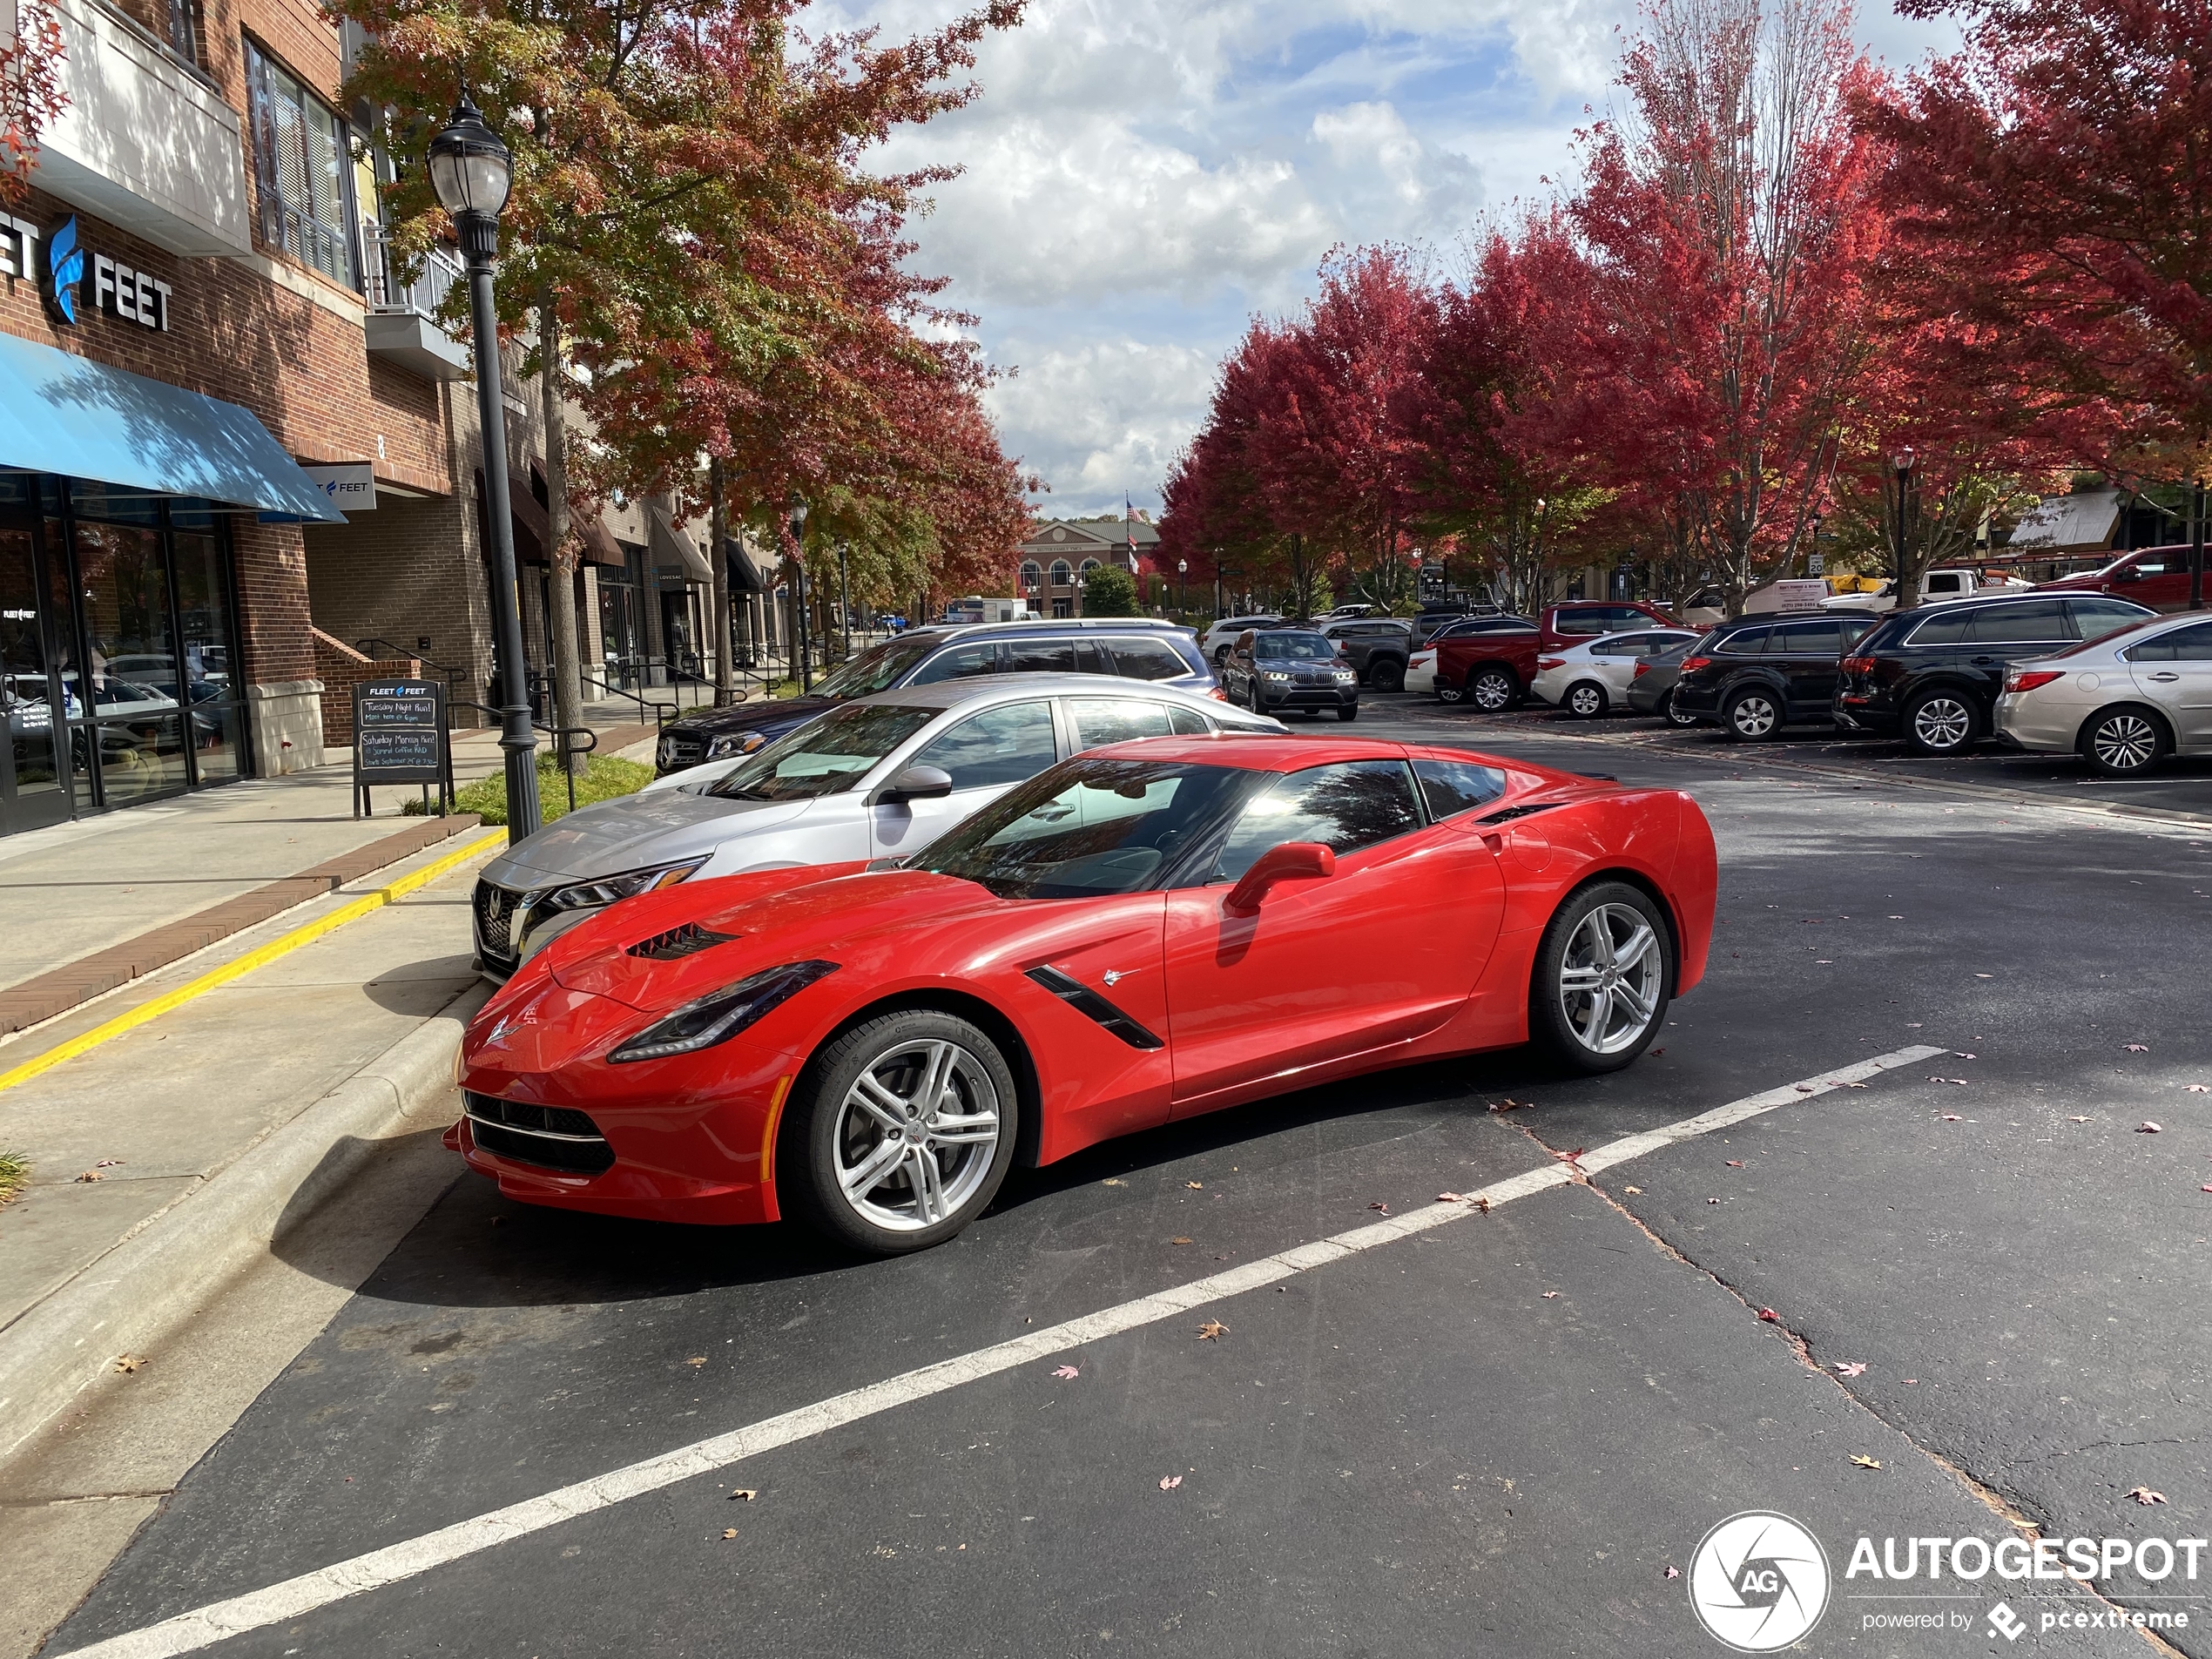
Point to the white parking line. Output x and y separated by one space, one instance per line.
220 1621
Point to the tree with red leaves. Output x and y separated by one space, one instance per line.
30 95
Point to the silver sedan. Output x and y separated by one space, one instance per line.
879 776
2123 702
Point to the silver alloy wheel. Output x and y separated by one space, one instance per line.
916 1134
1942 723
1611 978
1449 694
1678 716
1586 700
2124 742
1753 715
1491 691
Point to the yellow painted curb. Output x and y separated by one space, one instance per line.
260 956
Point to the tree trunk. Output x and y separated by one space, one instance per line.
568 675
717 560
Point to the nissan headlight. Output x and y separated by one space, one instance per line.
720 1016
604 891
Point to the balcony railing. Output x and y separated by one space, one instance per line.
421 297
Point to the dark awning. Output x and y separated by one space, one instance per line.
672 550
70 415
745 575
599 544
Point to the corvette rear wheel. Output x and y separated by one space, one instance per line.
1601 980
899 1133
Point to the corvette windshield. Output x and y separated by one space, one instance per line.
1091 826
877 669
831 751
1300 648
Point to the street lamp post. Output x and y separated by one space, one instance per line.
471 170
1183 588
1907 591
2196 544
844 602
799 593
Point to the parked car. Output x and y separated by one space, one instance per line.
1491 669
2123 701
1946 584
1336 613
2157 576
1496 621
1933 676
1216 640
1707 607
1156 930
1272 670
1651 688
1134 647
873 778
1377 647
1575 620
1588 680
1429 623
1753 677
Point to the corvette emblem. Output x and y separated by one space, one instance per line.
1113 976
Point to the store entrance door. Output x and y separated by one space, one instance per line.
34 789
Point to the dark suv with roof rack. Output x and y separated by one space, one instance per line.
1133 647
1932 675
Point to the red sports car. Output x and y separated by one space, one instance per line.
1139 934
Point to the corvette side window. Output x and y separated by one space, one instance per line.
1346 807
1454 787
1002 745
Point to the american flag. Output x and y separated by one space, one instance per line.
1129 521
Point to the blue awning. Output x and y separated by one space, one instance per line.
69 414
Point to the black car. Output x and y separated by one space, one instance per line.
1132 647
1932 675
1276 671
1377 648
1757 674
1652 691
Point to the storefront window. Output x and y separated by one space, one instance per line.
299 150
38 795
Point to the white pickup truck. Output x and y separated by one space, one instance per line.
1942 583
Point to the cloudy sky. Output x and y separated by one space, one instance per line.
1142 176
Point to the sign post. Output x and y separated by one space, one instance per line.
400 737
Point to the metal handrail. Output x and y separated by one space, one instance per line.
659 714
565 750
386 293
451 673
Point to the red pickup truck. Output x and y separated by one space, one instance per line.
1493 669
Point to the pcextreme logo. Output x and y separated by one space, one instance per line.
1759 1581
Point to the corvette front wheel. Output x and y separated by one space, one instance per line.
1603 977
899 1133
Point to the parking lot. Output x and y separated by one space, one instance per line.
1932 1278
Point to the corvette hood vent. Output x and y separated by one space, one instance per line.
679 942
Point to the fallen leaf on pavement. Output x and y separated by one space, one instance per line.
1854 1085
1804 1088
1712 1201
1912 1382
1632 1188
1379 1204
1449 1197
1113 1181
2138 1048
1735 1163
1066 1373
2077 1120
1769 1316
2146 1496
1170 1482
1178 1241
1985 976
1867 1462
729 1531
1674 1572
1963 1054
1212 1331
2147 1128
743 1494
1951 1117
1483 1204
107 1163
1961 1082
1652 1054
1551 1296
1507 1105
1196 1186
128 1362
1853 1367
1568 1157
2195 1088
696 1360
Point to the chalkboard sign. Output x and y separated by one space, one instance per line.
400 737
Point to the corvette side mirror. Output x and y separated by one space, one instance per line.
1291 861
915 783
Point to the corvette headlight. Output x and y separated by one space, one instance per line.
593 895
1274 674
720 1016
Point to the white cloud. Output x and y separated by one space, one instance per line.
1103 417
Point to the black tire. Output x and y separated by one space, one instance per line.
1561 1018
1492 690
1673 716
819 1136
1751 715
1941 722
1387 674
2125 742
1585 700
1350 711
1251 695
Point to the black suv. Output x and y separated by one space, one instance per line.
1377 648
1133 647
1757 674
1932 675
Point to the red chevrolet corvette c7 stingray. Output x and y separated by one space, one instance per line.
1141 933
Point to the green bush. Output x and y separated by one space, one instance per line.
1109 591
604 778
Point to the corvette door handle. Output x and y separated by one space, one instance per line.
2165 677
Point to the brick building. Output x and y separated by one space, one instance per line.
1063 551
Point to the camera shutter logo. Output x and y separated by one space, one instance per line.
1759 1581
66 261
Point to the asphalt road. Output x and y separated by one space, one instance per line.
1502 1435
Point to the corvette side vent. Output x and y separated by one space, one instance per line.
1088 1003
1509 814
678 942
